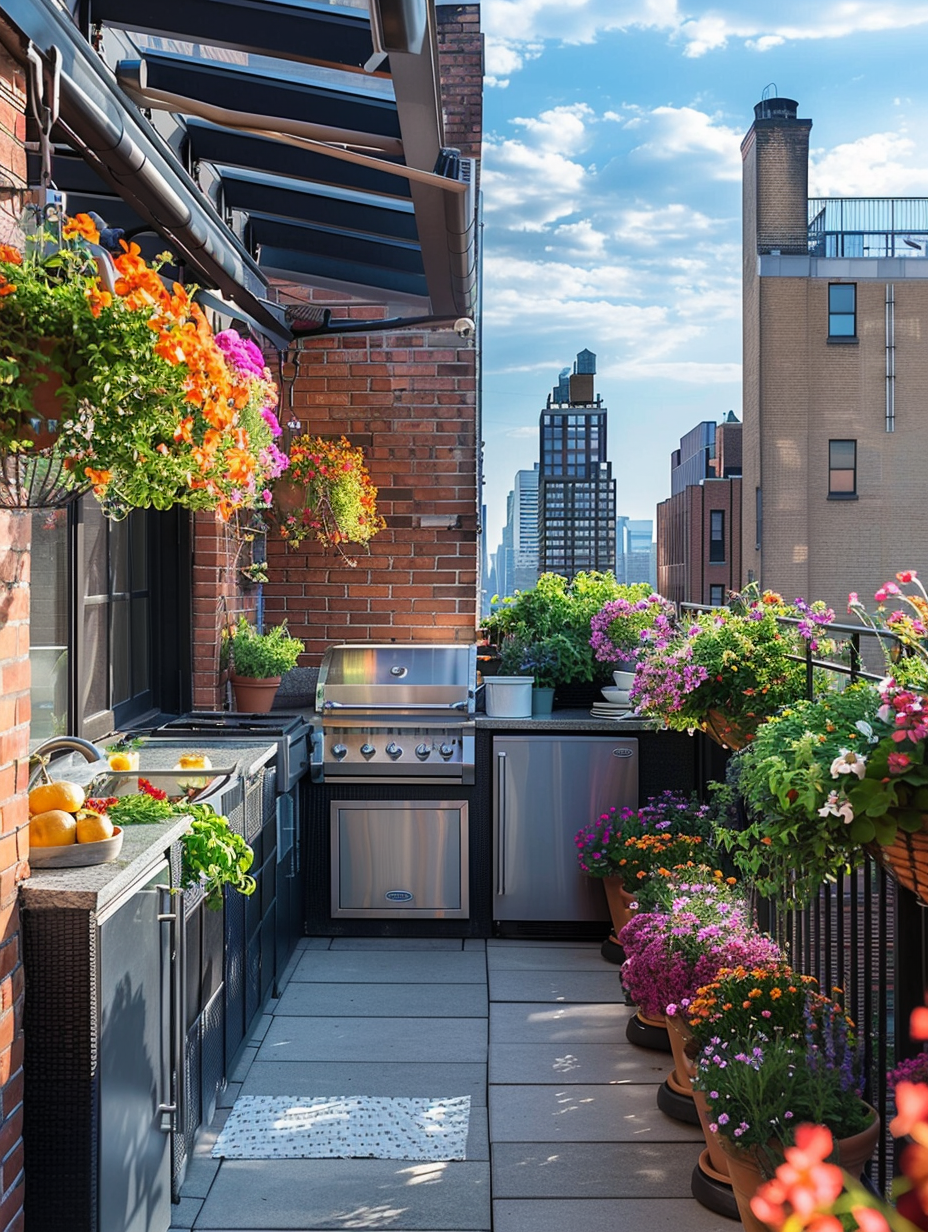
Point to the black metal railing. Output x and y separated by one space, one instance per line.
864 934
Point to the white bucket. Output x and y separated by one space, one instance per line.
509 697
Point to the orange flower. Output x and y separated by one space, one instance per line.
6 288
99 479
98 299
11 255
912 1108
81 225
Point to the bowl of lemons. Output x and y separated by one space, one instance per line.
63 833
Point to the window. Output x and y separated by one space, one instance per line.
842 470
716 537
842 310
717 596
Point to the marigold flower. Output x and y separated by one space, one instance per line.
11 255
81 226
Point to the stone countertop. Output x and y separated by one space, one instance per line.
559 720
95 886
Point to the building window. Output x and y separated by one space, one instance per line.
717 596
842 310
842 470
716 537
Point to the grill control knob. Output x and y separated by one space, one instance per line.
394 750
423 750
446 750
339 751
367 750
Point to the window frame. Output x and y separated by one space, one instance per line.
835 493
713 588
717 542
834 315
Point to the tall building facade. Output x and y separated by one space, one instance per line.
699 525
634 555
835 375
576 490
525 529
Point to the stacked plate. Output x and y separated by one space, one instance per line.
614 707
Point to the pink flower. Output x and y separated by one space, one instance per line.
906 576
898 762
912 1105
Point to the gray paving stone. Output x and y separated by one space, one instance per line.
259 1030
229 1095
602 1215
566 986
504 943
593 1170
547 958
582 1114
572 1063
475 943
540 1023
393 967
375 1039
314 943
201 1172
397 943
384 1000
241 1066
404 1079
348 1193
184 1213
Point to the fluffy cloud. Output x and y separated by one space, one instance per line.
699 31
878 165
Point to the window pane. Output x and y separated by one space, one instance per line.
842 298
716 523
842 454
95 562
119 651
94 670
48 624
138 550
841 481
119 556
141 639
841 326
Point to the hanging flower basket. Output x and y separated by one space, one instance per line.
37 481
906 859
730 734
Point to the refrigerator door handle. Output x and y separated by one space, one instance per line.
172 1108
501 826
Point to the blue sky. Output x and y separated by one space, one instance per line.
612 197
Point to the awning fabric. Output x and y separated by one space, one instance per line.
271 154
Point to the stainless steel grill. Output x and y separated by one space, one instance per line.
399 713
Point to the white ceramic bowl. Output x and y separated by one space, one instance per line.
619 697
623 680
77 855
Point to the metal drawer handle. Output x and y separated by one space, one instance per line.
501 829
394 706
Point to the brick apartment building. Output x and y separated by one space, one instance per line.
699 525
109 653
835 375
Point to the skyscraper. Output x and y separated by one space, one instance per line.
576 491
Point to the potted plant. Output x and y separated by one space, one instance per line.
550 661
555 606
258 662
115 382
619 625
730 669
327 493
774 1053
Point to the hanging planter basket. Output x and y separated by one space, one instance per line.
37 480
906 859
725 731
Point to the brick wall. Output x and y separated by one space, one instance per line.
219 597
409 400
15 534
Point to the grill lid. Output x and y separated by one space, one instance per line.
403 677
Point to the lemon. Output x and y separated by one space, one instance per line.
53 828
193 761
64 795
123 761
93 827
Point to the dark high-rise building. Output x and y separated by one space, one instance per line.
576 491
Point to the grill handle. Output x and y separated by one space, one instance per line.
501 824
398 709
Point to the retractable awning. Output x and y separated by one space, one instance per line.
278 157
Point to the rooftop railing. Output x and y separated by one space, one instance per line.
868 227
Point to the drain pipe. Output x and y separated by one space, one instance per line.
890 357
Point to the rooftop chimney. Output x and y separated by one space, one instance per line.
776 179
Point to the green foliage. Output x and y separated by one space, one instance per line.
260 655
556 607
552 660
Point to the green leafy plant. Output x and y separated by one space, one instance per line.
338 501
214 856
261 655
551 661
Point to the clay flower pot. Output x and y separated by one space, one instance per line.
620 902
253 695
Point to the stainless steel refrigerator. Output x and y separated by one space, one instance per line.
545 788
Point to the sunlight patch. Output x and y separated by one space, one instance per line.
344 1127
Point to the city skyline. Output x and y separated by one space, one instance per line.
612 200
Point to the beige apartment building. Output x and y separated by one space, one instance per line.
835 436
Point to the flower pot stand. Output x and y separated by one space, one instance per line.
712 1190
647 1033
675 1094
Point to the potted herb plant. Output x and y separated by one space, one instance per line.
550 661
114 381
258 662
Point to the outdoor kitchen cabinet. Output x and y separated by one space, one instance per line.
103 961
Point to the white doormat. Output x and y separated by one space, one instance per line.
344 1127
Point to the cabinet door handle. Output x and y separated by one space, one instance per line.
173 1109
501 823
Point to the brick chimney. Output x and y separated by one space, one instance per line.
775 153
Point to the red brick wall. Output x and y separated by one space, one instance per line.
15 536
410 400
218 599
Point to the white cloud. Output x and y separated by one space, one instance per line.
675 131
648 228
878 165
687 371
579 239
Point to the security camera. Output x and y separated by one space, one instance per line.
465 327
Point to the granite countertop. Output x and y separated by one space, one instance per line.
560 720
95 886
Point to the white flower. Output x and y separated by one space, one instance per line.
849 762
838 808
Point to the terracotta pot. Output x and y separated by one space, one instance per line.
679 1035
254 696
730 735
747 1174
716 1162
289 496
906 859
620 902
